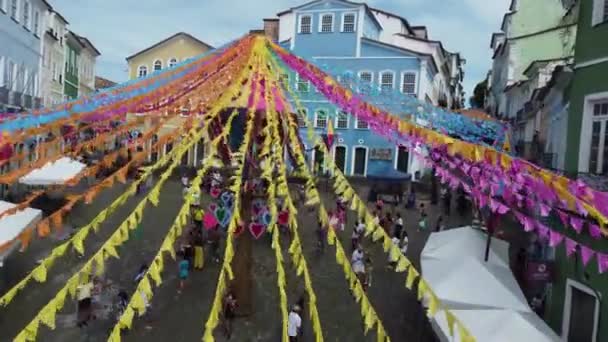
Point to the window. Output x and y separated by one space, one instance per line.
386 81
598 158
366 78
26 15
36 23
158 65
321 118
302 86
305 24
327 23
348 22
172 62
14 8
2 67
142 71
10 75
341 120
3 6
600 12
302 116
360 124
284 80
408 85
54 71
347 79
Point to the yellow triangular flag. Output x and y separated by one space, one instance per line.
39 273
412 274
47 315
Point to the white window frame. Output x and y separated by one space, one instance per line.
570 283
300 23
316 125
357 124
409 157
599 12
154 65
352 160
354 14
333 20
336 126
382 73
586 129
36 23
140 68
297 88
2 68
403 73
371 82
14 15
27 14
172 62
305 110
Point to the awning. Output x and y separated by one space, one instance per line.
13 225
57 172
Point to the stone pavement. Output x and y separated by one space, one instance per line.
181 317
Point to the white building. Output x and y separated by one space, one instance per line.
53 60
86 71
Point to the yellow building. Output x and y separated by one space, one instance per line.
165 53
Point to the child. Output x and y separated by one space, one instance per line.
184 268
229 312
357 231
398 226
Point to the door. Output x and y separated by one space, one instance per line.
581 313
318 161
200 151
186 157
154 154
360 161
168 148
403 157
340 157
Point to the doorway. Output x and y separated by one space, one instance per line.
340 157
581 312
403 157
318 161
360 161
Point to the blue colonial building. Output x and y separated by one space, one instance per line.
372 51
21 28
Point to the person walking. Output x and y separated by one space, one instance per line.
229 312
184 270
294 324
357 232
423 218
199 255
357 261
85 307
398 228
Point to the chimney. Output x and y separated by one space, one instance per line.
271 28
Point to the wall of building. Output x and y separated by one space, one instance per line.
71 82
535 15
317 43
180 48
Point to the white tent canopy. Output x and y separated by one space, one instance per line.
465 242
57 172
12 225
498 326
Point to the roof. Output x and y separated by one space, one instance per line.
168 39
102 83
403 20
60 16
544 62
270 19
75 38
401 49
87 43
504 20
367 9
443 50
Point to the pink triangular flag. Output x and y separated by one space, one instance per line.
594 231
581 209
602 262
528 224
544 209
586 254
570 246
555 238
564 217
577 224
543 231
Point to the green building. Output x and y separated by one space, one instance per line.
72 52
577 307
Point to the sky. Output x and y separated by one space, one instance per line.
119 28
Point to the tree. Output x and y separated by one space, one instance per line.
479 95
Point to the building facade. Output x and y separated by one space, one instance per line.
165 54
577 308
375 49
73 47
86 68
532 30
53 58
21 31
